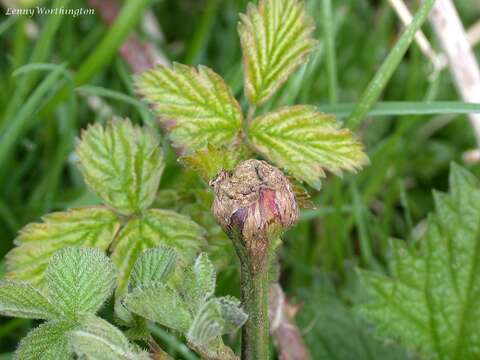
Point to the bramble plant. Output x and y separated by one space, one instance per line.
254 202
187 210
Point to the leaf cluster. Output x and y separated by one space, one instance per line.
77 283
198 315
122 163
161 289
205 121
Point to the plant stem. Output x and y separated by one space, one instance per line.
254 293
390 64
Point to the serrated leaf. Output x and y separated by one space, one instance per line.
305 143
276 37
23 300
46 342
37 242
195 106
122 163
79 280
199 282
302 197
154 228
97 339
160 303
233 315
209 161
153 265
432 301
207 325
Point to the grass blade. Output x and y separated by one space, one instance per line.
390 64
398 108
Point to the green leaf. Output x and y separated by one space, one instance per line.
432 301
207 325
160 303
276 37
209 161
154 265
37 242
79 280
122 163
46 342
195 106
23 300
97 339
305 143
232 314
207 328
199 282
154 228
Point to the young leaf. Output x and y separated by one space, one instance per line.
97 339
199 282
122 163
304 142
160 303
154 228
37 242
232 313
79 280
207 325
208 162
22 300
195 106
46 342
432 301
276 37
154 265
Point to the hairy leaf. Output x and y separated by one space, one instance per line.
232 314
122 163
154 228
207 325
160 303
194 105
153 265
276 37
432 301
22 300
97 339
79 280
37 242
305 143
199 282
208 162
46 342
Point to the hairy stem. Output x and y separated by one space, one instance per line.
254 293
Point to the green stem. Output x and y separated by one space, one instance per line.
390 64
254 293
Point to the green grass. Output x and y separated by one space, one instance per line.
363 71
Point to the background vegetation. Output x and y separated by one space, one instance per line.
60 73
